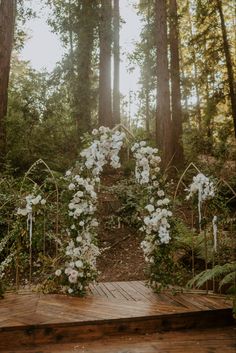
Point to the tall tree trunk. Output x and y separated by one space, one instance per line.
82 99
147 76
195 69
175 85
116 79
185 113
232 90
163 119
105 36
7 21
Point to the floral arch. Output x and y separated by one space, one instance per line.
79 268
75 266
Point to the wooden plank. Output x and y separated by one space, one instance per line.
183 301
125 286
106 291
127 307
122 291
114 290
196 341
74 332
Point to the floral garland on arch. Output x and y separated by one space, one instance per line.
155 222
81 252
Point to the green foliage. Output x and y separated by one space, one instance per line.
131 199
39 121
165 271
225 273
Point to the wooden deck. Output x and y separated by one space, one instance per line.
215 340
115 308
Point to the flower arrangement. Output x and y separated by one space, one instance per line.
81 251
156 218
31 201
204 188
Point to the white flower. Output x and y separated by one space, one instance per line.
79 264
22 211
150 208
160 193
68 173
165 201
43 202
71 186
36 200
58 273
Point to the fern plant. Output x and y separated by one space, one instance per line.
225 273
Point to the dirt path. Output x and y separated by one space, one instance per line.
121 258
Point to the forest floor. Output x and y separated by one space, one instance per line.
121 256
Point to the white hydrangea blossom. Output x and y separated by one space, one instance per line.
204 188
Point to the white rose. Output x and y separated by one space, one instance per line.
71 186
58 273
150 208
79 264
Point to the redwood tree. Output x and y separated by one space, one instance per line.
84 50
7 21
116 80
105 40
176 110
163 118
229 65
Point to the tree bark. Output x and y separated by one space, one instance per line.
7 22
232 90
82 95
116 79
195 68
175 85
105 37
163 118
147 78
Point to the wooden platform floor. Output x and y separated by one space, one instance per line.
217 340
114 300
109 309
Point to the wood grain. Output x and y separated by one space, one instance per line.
109 309
215 340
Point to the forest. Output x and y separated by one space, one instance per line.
92 191
186 93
